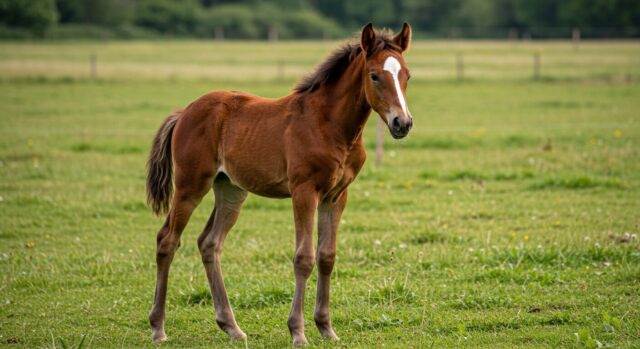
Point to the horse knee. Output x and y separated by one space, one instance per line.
167 245
326 260
209 248
303 263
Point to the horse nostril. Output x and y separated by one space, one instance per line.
396 122
410 123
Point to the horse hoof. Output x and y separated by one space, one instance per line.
237 335
159 337
330 335
300 341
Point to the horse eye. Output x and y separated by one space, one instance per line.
374 77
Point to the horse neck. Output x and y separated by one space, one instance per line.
348 106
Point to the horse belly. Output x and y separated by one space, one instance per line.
265 181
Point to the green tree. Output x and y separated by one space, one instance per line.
168 16
38 16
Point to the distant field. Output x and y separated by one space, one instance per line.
508 218
237 61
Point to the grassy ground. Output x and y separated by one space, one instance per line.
499 222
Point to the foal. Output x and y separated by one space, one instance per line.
307 146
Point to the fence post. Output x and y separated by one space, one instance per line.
93 64
459 66
380 141
273 34
326 35
536 65
575 38
280 69
219 33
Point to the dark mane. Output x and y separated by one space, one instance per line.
331 69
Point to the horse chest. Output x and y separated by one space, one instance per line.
344 175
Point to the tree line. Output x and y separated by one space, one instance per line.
261 19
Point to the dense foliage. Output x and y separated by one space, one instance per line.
315 18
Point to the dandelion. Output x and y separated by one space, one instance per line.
378 242
403 245
596 245
1 199
634 236
479 132
617 134
587 238
392 154
29 244
450 192
343 221
408 184
471 249
513 234
366 194
526 238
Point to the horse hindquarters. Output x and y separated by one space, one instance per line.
193 163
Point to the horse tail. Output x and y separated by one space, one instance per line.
160 167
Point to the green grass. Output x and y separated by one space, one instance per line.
490 225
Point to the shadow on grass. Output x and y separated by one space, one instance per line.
264 298
579 182
106 149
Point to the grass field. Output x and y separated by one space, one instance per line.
508 218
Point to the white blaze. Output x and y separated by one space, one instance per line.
392 65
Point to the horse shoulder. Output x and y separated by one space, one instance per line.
357 157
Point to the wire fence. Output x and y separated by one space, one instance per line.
288 61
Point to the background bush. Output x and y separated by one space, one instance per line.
256 19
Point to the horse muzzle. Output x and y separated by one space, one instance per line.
400 127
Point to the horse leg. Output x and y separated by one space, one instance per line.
329 214
184 202
305 202
229 199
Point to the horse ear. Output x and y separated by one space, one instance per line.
403 38
368 38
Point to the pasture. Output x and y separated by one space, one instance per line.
508 217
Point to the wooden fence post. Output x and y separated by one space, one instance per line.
459 66
575 38
380 129
219 33
536 65
280 69
273 34
93 64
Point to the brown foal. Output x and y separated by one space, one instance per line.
307 146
